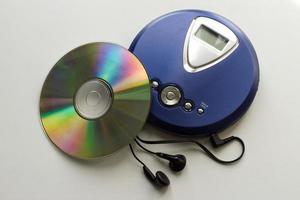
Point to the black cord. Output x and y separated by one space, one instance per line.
145 149
134 155
206 150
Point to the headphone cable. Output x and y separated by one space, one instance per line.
214 139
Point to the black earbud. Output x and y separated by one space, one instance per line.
176 162
160 179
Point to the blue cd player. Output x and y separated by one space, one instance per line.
203 68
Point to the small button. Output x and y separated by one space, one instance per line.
154 84
200 111
188 106
170 95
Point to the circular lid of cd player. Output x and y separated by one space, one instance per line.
203 68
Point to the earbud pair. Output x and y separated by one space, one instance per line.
160 179
176 163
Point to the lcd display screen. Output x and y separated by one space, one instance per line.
211 37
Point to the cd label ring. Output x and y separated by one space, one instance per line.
93 99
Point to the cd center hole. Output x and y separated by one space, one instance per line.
93 98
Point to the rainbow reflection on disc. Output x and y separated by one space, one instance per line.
65 120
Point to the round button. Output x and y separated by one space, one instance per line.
154 84
188 106
170 95
200 111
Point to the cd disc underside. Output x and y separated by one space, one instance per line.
79 129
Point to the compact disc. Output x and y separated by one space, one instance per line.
95 100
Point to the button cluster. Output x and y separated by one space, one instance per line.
171 96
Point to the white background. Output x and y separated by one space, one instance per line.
35 34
